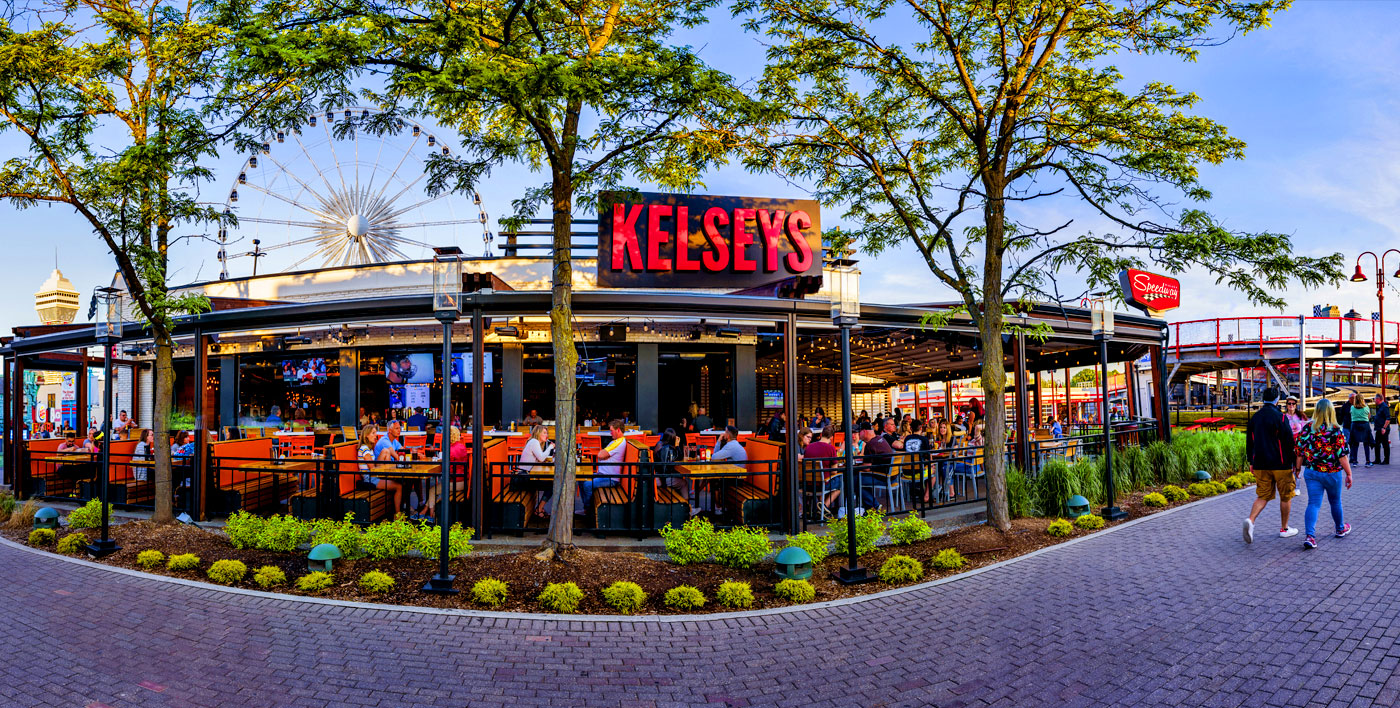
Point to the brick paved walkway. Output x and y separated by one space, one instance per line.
1175 611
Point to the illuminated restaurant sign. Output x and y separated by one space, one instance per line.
654 240
1150 292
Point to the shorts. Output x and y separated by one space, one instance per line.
1266 481
368 485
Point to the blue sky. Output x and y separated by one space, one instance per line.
1314 97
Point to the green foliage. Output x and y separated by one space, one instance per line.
561 597
343 534
1174 493
89 515
816 546
742 547
72 543
1233 482
42 537
1162 460
7 504
429 541
315 582
1139 469
390 539
1054 486
795 591
625 597
376 583
279 533
183 561
1089 522
901 569
735 595
909 529
693 542
1201 489
1020 494
150 558
684 597
490 592
870 526
269 576
1089 472
1247 477
243 529
1218 486
1154 499
1060 528
227 572
948 559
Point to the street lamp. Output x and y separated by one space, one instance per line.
1101 321
108 332
1359 277
845 313
447 307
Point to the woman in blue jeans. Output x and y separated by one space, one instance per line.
1322 453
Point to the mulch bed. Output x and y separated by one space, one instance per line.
592 571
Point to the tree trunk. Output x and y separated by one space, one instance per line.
993 366
561 329
165 385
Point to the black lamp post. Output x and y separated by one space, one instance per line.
109 328
447 307
1101 318
845 313
1360 277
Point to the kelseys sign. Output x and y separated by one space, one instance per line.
654 240
1150 292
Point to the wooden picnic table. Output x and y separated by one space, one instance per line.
694 468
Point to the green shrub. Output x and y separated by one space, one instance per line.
344 534
376 583
741 547
315 582
693 542
1218 486
73 543
149 559
1161 459
42 537
1089 522
227 572
89 515
1054 486
1089 472
1020 497
1174 493
1060 528
490 592
870 526
182 561
901 569
909 529
1233 482
816 546
561 597
685 597
282 533
243 529
1247 477
429 540
625 597
1201 489
949 559
390 539
7 504
1138 469
795 591
735 595
1154 499
269 576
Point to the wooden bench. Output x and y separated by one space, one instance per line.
753 498
612 506
669 507
44 479
249 490
308 503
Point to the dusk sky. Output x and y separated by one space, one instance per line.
1314 97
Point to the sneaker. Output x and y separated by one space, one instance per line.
1296 491
841 512
1346 529
1289 532
860 511
695 511
1368 464
1248 531
1310 543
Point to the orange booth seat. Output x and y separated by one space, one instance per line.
44 469
612 506
241 469
753 497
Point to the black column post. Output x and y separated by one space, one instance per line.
1110 512
349 364
646 399
105 546
442 582
478 426
852 573
1023 429
792 482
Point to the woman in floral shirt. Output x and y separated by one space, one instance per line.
1322 454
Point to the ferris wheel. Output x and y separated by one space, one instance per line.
343 201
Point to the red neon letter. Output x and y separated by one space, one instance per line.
800 260
772 225
717 258
625 236
656 236
742 240
683 261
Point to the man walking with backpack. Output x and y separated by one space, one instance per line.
1269 449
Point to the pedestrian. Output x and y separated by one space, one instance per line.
1321 453
1380 421
1360 429
1269 449
1344 416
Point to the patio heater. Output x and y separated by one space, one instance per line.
109 330
1360 277
1101 320
845 313
447 307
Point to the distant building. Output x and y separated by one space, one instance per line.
57 300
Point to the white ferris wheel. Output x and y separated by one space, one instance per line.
317 200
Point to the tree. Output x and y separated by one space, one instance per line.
590 93
947 126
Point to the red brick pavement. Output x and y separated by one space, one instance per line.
1175 611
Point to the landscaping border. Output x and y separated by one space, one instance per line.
539 616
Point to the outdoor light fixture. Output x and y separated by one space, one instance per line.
447 307
320 557
296 339
1101 319
508 331
845 313
793 563
1360 277
728 333
108 331
1076 507
447 280
46 518
1202 476
845 292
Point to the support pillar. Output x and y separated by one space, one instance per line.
1023 436
513 383
1160 384
349 363
228 390
204 416
478 424
745 388
792 484
80 389
648 390
1036 400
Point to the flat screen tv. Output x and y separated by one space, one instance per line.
772 398
462 368
403 368
594 372
397 397
304 372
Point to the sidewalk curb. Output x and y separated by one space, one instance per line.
629 619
